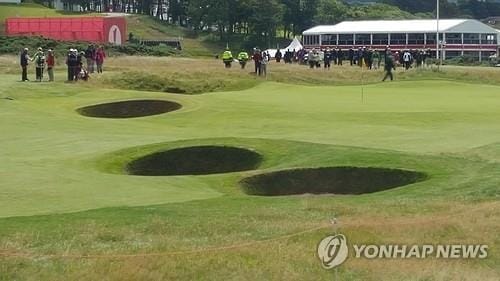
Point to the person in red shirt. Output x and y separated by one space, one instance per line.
99 58
50 64
257 58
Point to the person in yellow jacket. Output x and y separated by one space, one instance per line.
243 58
227 58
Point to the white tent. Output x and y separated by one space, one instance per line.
294 46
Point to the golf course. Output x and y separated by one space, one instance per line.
119 178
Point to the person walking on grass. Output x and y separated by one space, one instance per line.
257 59
99 58
327 58
39 59
389 66
407 58
263 64
50 64
71 62
24 61
278 56
227 58
243 58
376 59
340 56
90 57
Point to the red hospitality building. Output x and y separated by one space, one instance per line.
92 29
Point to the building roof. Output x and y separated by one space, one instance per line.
403 26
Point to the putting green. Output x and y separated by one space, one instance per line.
47 148
49 152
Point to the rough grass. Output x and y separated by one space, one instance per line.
199 75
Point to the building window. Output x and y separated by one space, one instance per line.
489 39
415 38
471 38
431 38
398 39
453 38
381 39
311 40
329 39
345 39
363 39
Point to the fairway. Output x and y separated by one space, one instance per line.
64 186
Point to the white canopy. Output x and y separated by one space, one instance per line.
294 46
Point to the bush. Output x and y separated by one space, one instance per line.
465 61
14 44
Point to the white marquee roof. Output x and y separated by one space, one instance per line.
402 26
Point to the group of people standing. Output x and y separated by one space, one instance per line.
410 58
260 58
94 60
74 60
288 57
41 60
363 57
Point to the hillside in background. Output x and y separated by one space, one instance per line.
141 26
253 27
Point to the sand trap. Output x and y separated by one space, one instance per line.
335 180
196 160
129 109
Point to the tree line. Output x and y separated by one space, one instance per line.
264 20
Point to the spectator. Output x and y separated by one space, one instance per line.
376 59
39 59
278 56
263 64
50 64
340 56
351 56
90 57
389 66
407 59
99 58
327 57
257 59
24 61
72 62
79 64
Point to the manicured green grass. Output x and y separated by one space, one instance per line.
63 190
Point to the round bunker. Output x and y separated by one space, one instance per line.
335 180
196 160
129 108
